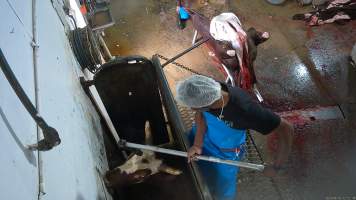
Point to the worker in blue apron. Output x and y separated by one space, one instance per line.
226 143
223 114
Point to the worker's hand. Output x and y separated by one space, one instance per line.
193 152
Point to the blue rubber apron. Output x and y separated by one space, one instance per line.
223 142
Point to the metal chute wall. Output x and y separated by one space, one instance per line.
130 94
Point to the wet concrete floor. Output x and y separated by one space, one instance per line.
300 70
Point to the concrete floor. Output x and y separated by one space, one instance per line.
301 71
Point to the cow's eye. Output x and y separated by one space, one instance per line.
145 161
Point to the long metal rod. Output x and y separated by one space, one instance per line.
185 51
41 185
257 167
195 37
229 75
105 47
104 113
257 93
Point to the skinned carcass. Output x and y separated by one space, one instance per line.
236 50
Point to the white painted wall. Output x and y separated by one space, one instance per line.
18 169
70 170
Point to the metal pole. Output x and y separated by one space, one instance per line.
257 93
229 75
195 37
257 167
184 52
104 113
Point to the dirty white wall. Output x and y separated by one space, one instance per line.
70 170
18 169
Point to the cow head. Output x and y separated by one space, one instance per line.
136 169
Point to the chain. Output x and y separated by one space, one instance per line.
182 66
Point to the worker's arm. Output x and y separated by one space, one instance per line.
284 134
196 149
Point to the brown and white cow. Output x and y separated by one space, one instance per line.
136 169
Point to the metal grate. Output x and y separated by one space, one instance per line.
252 153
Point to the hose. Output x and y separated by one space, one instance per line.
83 44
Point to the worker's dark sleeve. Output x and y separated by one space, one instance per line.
262 119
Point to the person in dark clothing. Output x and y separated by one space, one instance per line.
237 109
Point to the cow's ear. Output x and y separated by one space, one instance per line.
145 161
